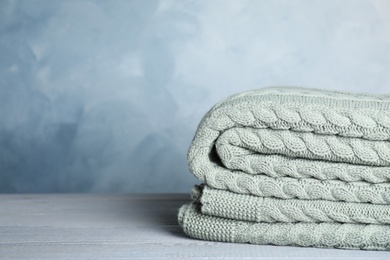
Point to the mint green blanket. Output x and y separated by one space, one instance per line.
293 166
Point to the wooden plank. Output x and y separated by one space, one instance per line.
101 226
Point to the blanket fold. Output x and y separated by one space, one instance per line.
293 166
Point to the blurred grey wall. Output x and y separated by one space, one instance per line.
105 96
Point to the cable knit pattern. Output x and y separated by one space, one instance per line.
288 188
267 209
280 166
296 161
337 235
236 143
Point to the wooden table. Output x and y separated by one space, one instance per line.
101 226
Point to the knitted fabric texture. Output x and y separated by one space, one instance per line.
293 166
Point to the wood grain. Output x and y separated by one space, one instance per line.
101 226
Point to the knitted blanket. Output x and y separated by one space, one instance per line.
293 166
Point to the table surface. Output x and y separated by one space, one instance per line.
101 226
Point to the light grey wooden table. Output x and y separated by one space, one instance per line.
76 226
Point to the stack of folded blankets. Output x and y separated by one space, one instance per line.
293 166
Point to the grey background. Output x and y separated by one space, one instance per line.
105 96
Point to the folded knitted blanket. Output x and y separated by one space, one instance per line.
293 166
